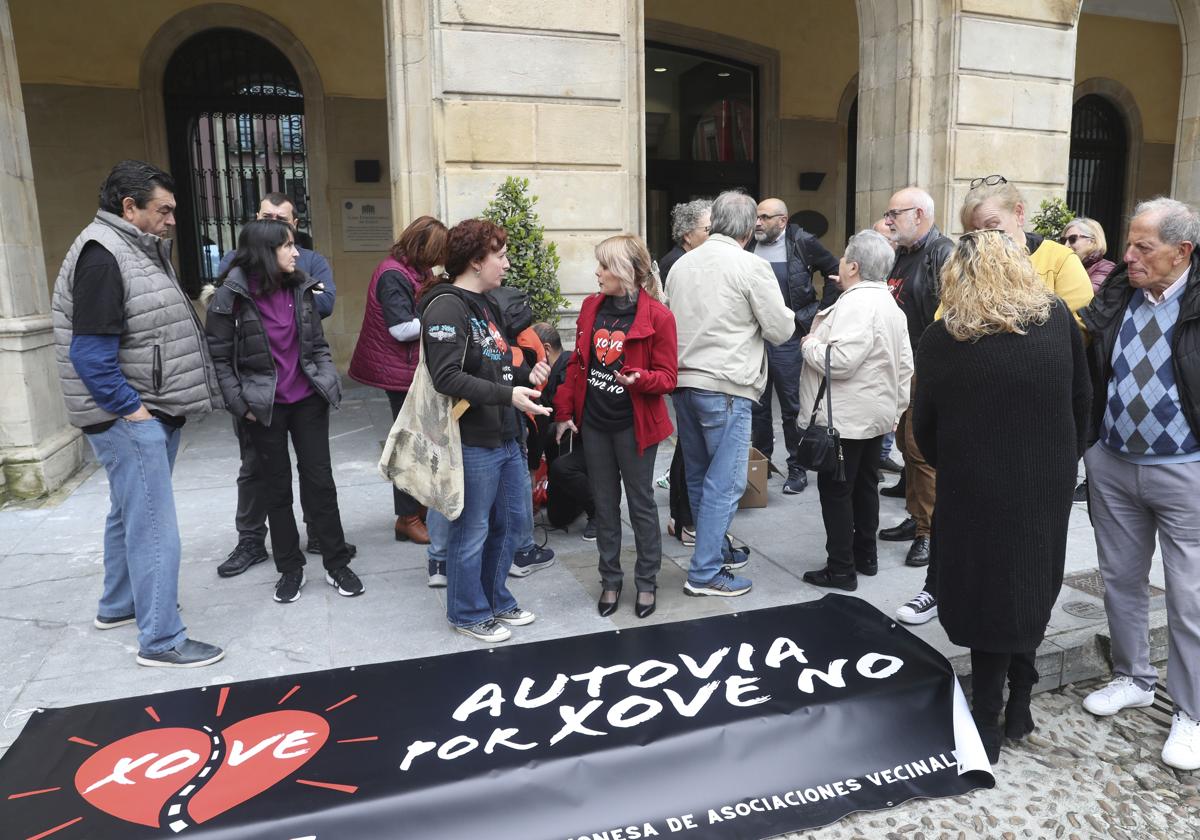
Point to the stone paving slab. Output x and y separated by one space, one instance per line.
51 568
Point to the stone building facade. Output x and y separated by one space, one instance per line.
612 108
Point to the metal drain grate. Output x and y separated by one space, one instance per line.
1093 584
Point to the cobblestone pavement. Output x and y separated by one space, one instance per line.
1077 776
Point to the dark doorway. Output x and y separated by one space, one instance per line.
851 168
235 132
701 133
1099 149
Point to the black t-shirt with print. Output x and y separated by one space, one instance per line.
493 350
607 406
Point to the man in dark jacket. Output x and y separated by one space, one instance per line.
1144 467
134 367
793 254
921 250
251 516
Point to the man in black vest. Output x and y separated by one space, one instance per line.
793 254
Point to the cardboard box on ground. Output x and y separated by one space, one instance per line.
756 481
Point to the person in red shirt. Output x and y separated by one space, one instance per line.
625 361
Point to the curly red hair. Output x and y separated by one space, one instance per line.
469 240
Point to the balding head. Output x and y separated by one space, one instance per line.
771 221
909 215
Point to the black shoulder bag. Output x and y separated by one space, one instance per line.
820 448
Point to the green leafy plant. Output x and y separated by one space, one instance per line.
1052 217
533 262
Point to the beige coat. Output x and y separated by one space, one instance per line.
727 303
871 363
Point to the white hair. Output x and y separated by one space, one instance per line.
872 252
1177 222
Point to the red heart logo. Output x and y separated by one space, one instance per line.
259 752
608 346
135 778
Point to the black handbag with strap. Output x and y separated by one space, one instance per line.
820 448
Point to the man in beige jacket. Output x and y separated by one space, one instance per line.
727 306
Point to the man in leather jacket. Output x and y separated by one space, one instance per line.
794 254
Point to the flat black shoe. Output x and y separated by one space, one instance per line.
607 608
868 569
918 552
314 547
905 531
826 578
1018 719
246 554
1081 492
645 610
896 491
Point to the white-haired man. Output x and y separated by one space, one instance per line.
1144 469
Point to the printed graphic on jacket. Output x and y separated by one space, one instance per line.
896 287
607 405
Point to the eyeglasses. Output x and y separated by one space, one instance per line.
990 180
1073 238
891 215
706 228
762 217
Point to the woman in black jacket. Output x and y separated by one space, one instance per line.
276 372
470 359
1004 365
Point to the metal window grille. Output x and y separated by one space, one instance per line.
1096 179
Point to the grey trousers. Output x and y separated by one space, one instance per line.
1129 505
613 460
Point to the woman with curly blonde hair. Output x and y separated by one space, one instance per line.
1000 410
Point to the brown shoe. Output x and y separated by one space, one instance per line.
411 528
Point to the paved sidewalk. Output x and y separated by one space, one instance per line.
51 566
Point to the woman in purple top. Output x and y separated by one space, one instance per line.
276 372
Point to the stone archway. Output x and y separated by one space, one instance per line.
1127 107
184 25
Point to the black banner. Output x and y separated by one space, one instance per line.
740 726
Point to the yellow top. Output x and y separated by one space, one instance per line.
1064 274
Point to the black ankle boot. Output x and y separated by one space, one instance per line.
1018 719
990 734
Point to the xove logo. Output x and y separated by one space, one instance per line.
175 777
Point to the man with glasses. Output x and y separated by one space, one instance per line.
793 254
921 250
251 518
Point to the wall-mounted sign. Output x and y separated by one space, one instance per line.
367 224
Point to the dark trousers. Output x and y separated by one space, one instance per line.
681 505
850 508
568 491
613 460
404 504
784 364
931 573
307 424
988 671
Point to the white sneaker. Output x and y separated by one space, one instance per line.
486 631
1121 693
920 609
1182 750
516 617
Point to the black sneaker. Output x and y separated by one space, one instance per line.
889 464
187 654
797 480
829 580
347 583
247 553
437 575
314 547
1081 492
287 590
528 562
589 530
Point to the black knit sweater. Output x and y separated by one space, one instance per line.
1003 420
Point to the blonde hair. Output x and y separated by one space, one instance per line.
989 286
1006 194
1090 227
626 256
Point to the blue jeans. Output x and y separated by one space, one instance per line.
141 534
479 544
714 431
889 440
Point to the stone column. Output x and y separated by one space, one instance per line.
955 91
38 449
483 89
1185 184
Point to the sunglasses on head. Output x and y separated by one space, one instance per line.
990 181
1073 238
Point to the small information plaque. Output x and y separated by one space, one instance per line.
366 224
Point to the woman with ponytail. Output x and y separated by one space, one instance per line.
625 361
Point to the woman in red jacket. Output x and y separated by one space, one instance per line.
625 361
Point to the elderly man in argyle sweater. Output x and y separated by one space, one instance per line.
1144 470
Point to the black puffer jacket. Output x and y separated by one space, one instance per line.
806 255
242 356
1103 317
